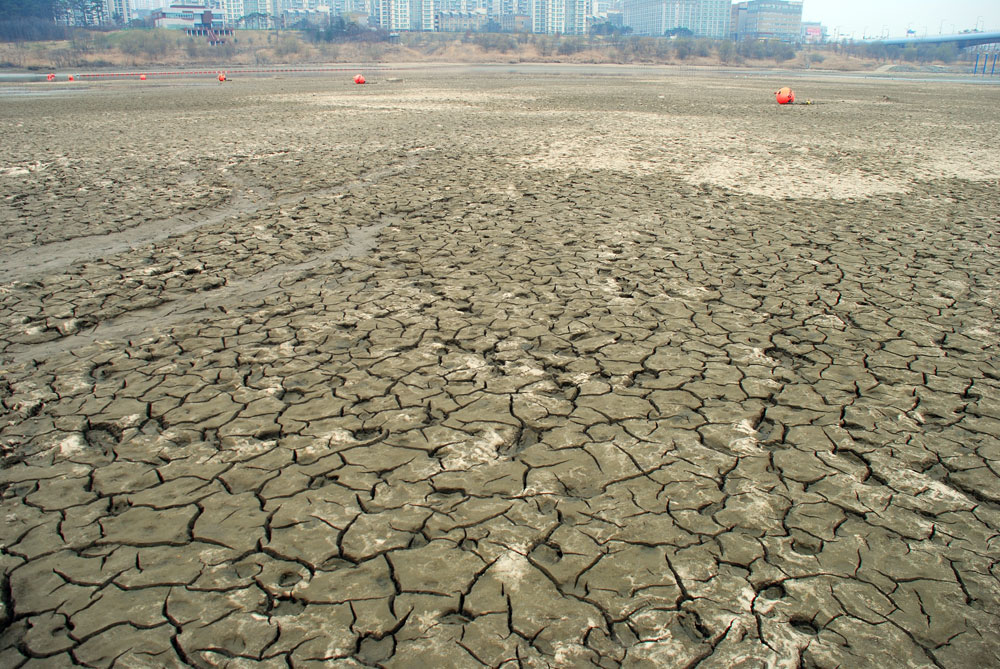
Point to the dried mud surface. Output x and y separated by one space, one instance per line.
506 370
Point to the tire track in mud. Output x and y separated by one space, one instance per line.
36 261
145 322
225 299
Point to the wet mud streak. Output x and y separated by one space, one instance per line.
35 261
229 298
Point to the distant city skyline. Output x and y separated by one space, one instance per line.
875 18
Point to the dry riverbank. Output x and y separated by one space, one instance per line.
503 369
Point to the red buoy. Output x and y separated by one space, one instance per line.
359 79
142 77
222 77
784 96
71 77
51 77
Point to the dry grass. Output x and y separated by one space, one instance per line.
256 48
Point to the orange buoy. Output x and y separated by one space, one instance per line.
359 79
222 77
784 96
142 77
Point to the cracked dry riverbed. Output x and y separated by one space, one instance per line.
500 370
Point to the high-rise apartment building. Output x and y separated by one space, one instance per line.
265 7
767 19
428 10
565 17
424 13
233 11
738 19
393 15
498 8
704 18
118 11
548 16
578 12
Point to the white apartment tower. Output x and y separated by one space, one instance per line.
118 11
566 17
428 10
233 11
578 12
705 18
548 16
266 7
393 15
498 8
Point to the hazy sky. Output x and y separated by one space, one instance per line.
875 17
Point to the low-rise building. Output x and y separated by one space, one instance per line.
181 17
515 23
195 20
813 32
457 22
315 17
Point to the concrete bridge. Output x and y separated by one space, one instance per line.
961 39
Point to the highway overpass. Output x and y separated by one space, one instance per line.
961 39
